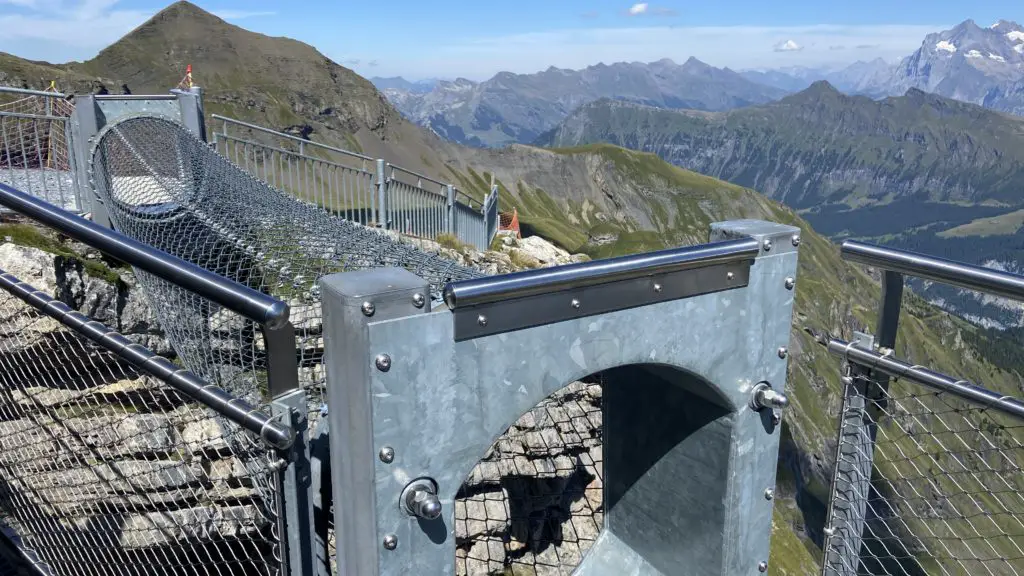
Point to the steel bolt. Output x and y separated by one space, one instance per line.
776 418
657 287
762 566
829 531
418 300
796 239
783 353
790 282
767 245
769 494
391 542
575 304
481 320
383 362
729 275
387 455
369 308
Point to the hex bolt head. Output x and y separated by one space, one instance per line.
657 287
575 304
795 239
386 454
729 275
783 352
790 283
383 362
776 418
391 542
762 566
769 494
368 308
767 245
481 320
418 300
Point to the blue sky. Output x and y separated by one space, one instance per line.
475 39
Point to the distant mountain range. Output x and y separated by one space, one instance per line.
516 108
820 146
983 66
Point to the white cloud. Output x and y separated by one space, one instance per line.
788 46
240 14
62 30
638 8
739 47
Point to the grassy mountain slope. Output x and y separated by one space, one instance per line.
599 199
821 146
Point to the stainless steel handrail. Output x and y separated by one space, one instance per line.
28 92
925 377
936 269
533 282
227 120
418 176
252 304
235 409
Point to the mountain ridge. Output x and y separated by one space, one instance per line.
835 148
516 108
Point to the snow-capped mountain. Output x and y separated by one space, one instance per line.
970 63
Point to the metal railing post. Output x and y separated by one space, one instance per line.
844 526
85 125
382 194
190 104
295 484
451 227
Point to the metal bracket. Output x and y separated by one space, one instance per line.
527 312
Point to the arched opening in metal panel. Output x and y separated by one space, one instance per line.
536 501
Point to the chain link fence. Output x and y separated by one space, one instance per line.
35 146
108 470
534 503
945 493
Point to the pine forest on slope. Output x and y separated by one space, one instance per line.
600 199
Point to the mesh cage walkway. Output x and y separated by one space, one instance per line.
163 186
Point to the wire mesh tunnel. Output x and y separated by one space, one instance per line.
165 187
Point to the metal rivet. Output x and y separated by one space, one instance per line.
383 362
762 566
829 531
776 418
767 245
657 287
783 353
418 300
790 283
481 320
796 239
575 304
729 275
368 308
387 455
769 494
391 542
